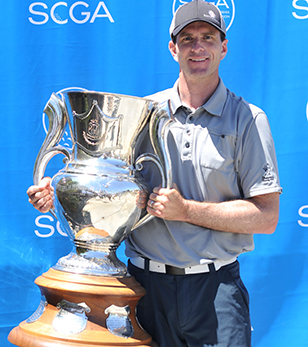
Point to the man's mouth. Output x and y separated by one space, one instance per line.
198 59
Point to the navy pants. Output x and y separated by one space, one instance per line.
199 310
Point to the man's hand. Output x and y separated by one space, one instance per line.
40 196
142 198
167 203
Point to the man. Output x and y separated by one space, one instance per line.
226 188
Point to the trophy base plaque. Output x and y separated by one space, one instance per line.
85 311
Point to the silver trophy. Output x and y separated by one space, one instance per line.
95 193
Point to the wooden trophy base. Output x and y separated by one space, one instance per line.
98 293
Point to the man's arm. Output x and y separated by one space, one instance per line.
257 215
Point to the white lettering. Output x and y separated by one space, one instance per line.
46 226
86 14
101 11
222 3
298 7
52 13
107 13
60 231
304 215
51 229
31 10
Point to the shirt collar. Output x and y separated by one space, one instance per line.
213 106
175 101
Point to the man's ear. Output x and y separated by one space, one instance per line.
172 49
224 49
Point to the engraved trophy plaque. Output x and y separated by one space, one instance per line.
94 199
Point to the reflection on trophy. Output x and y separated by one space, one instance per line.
88 298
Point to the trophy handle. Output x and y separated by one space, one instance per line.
139 166
158 128
57 115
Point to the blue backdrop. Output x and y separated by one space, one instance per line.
121 46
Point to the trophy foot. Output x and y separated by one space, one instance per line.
81 310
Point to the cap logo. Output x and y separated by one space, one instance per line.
212 14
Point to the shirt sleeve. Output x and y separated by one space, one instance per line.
257 163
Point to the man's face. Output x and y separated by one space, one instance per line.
199 50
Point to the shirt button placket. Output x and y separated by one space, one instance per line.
188 136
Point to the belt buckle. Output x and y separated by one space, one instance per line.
172 270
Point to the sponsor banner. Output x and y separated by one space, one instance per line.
122 47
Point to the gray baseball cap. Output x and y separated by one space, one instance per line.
197 10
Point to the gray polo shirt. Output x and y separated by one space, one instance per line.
222 151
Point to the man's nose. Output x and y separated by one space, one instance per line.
197 46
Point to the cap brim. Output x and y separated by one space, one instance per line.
183 25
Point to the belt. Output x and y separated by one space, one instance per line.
172 270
